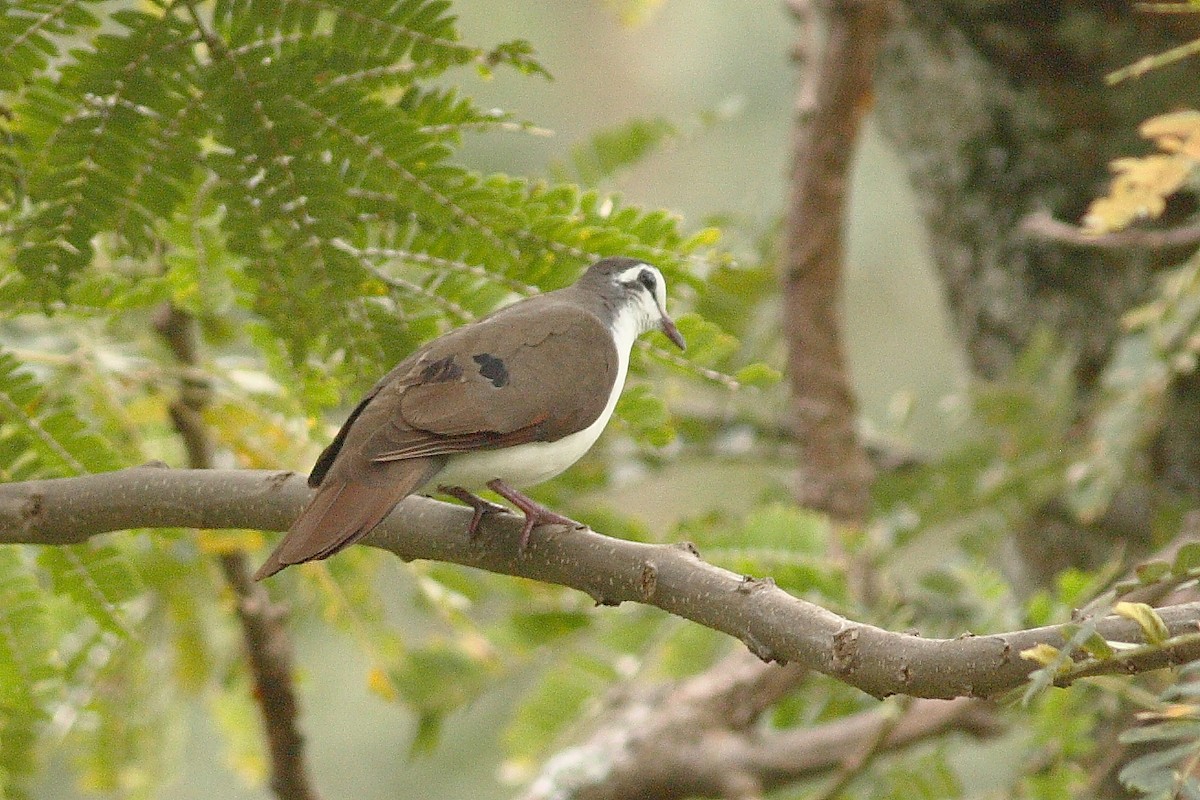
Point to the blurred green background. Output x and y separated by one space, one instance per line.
722 73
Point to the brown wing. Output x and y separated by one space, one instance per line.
539 373
535 371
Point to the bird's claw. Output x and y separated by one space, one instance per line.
535 513
479 507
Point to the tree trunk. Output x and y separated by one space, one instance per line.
1001 113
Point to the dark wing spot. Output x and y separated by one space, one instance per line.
442 370
493 369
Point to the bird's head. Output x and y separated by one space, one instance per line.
635 291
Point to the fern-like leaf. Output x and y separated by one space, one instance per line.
44 437
106 146
26 671
33 32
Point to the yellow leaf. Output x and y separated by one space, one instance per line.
232 541
1173 711
1142 185
379 683
1177 132
1139 191
1152 625
1043 654
706 237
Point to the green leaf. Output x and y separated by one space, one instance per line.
646 415
41 436
707 343
439 678
99 578
27 666
1187 559
776 539
518 54
429 732
614 149
554 702
108 146
540 627
1098 647
1152 571
35 32
758 374
735 295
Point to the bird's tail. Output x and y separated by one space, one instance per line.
344 511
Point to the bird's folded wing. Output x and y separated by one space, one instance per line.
537 373
475 392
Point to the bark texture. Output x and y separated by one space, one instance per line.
774 625
1002 115
834 473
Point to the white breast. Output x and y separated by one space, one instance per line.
534 462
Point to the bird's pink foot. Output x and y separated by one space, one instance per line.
535 513
477 503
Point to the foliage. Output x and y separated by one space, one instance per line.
1041 449
1159 348
286 172
609 151
68 612
1170 740
1144 183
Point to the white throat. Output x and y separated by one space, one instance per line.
534 462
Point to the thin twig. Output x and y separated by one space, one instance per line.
1185 642
1152 62
1041 226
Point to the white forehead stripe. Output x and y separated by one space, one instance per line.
631 274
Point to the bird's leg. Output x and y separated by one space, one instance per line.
480 506
535 512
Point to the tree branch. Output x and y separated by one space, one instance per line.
1042 226
268 649
699 738
834 472
773 624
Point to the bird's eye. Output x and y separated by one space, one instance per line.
646 278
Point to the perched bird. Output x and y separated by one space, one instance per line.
510 400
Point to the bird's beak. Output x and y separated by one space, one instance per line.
668 327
